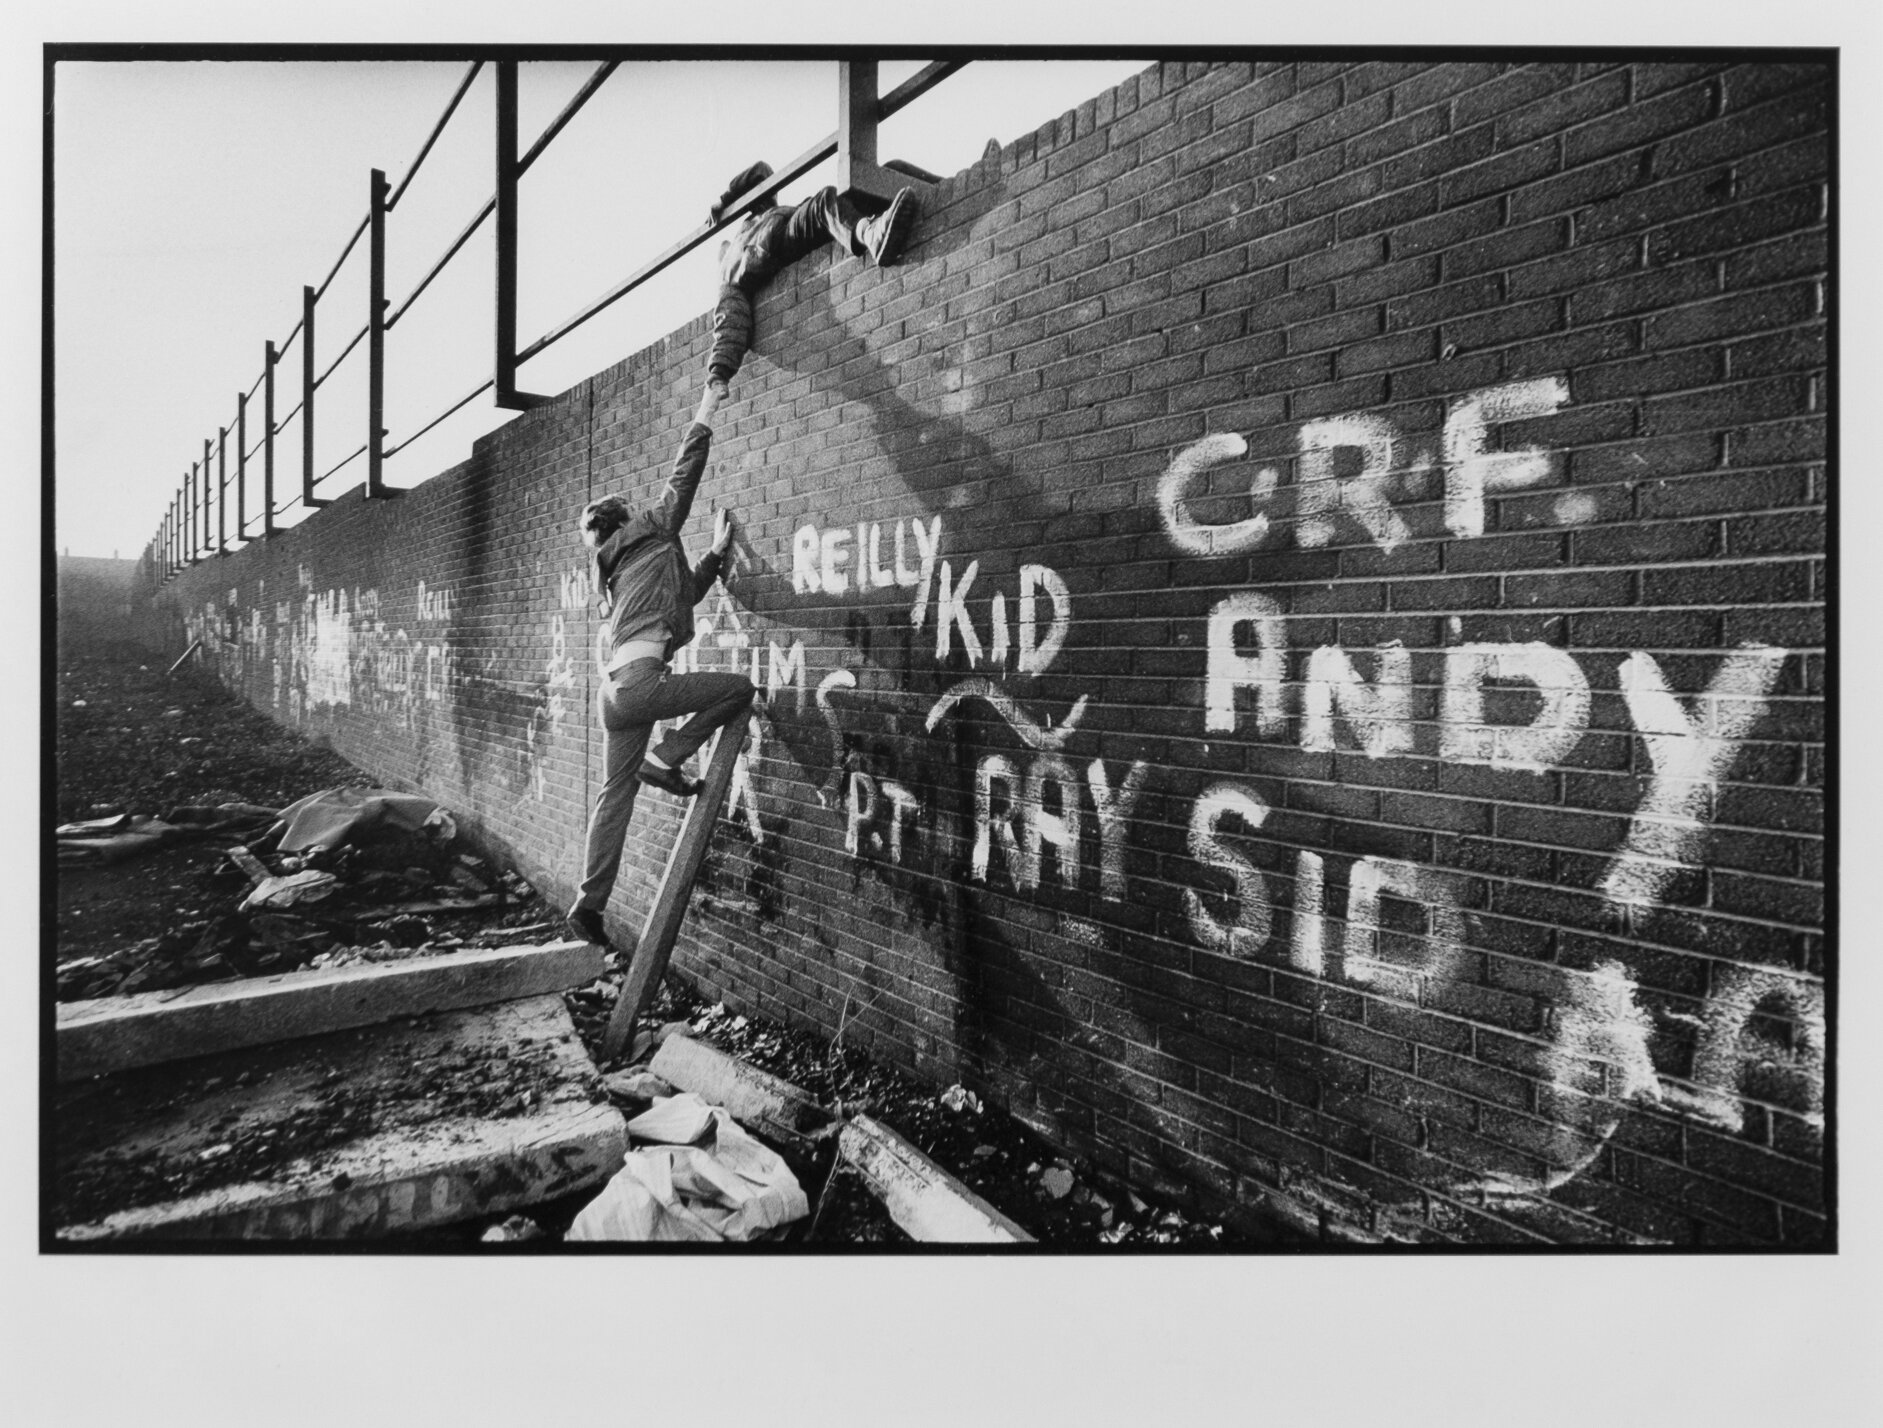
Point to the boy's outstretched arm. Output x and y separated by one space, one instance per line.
690 463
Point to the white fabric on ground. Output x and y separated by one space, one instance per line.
729 1186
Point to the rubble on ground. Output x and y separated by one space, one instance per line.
213 886
341 876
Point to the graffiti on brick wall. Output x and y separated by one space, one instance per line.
334 650
1597 1056
1049 809
1049 814
1388 470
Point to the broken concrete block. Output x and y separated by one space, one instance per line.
754 1098
920 1196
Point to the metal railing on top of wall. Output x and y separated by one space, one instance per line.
185 536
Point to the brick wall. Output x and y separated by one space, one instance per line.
1292 631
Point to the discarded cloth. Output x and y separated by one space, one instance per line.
339 815
106 840
727 1187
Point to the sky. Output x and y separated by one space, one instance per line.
192 201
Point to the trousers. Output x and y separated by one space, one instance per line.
630 702
770 242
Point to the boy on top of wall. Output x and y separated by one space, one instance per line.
770 238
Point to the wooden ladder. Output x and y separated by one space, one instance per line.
662 927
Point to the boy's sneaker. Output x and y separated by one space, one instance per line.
586 923
884 235
672 780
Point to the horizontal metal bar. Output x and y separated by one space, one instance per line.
341 358
468 397
293 333
258 385
320 291
342 462
437 129
916 85
490 204
582 96
490 207
902 95
797 168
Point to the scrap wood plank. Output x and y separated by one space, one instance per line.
924 1199
114 1033
195 645
662 927
756 1099
250 865
371 1144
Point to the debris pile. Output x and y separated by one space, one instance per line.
454 1117
345 875
1058 1199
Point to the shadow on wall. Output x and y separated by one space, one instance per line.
1015 1030
1054 1053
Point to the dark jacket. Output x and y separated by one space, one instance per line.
648 590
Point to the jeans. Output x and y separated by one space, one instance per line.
630 701
770 243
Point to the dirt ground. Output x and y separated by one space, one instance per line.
133 738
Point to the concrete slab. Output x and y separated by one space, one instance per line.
354 1134
148 1028
920 1196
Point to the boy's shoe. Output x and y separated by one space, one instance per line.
586 923
671 780
883 236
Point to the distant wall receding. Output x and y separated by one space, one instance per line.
1291 632
104 601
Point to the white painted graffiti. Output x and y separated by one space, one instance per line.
1471 471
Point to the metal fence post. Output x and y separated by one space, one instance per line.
222 490
241 465
268 439
376 337
189 488
505 393
859 110
308 498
